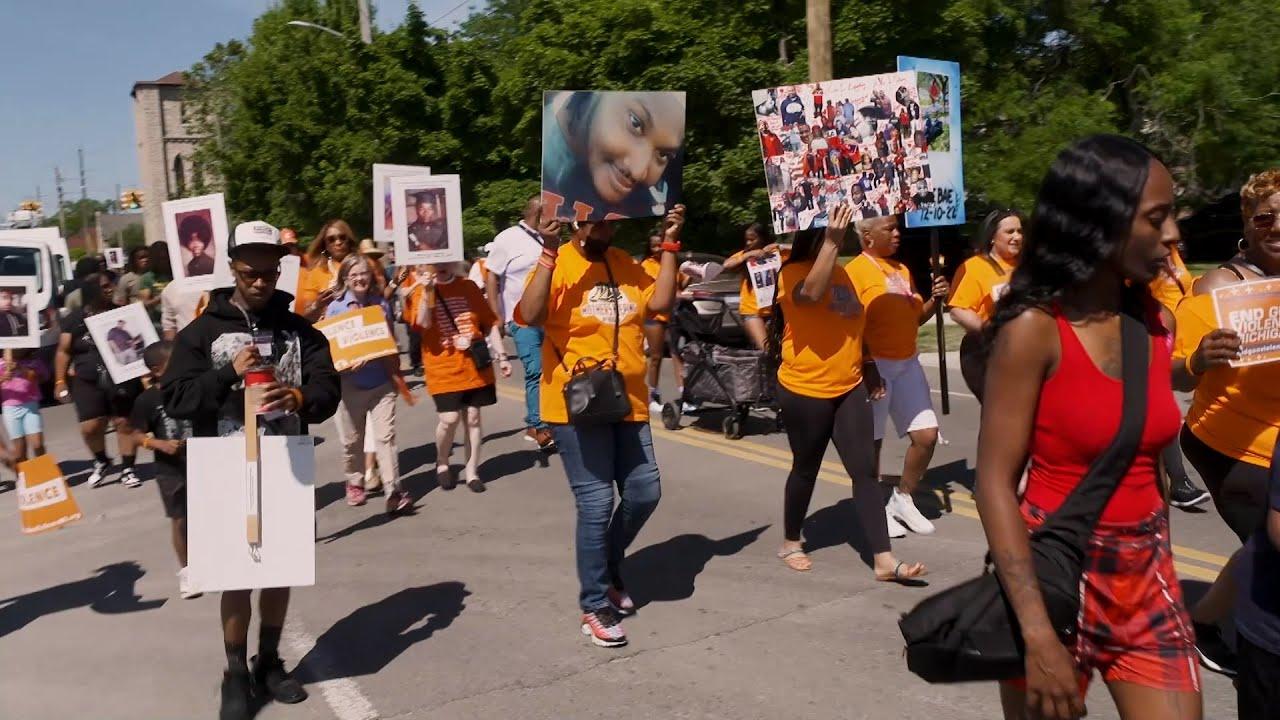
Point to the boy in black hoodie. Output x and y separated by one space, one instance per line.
245 327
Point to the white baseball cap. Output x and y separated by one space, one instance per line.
256 232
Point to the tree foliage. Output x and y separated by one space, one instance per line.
297 117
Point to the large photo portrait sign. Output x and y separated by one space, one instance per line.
858 142
938 86
1252 309
19 319
383 216
611 155
428 219
120 336
196 231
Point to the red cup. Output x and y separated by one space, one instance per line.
259 376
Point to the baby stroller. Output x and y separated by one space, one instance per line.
721 366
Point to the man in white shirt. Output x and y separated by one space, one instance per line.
512 256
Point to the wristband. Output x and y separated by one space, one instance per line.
548 264
1187 364
669 246
59 382
552 253
297 397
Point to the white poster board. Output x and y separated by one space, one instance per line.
120 336
762 274
19 321
427 215
114 258
290 268
219 556
195 229
382 216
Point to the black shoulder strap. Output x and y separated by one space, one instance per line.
617 317
1231 268
1074 521
994 265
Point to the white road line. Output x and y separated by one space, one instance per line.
343 695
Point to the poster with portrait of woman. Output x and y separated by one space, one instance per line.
427 216
19 321
195 230
611 155
382 202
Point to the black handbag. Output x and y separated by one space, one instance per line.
969 633
480 354
596 393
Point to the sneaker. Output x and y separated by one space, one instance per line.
445 478
903 508
604 627
184 586
271 676
355 495
620 601
99 474
895 528
545 440
1184 494
398 501
531 435
130 478
1214 653
236 696
655 407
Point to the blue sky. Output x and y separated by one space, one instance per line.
67 66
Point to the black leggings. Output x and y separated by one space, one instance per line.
846 421
1239 489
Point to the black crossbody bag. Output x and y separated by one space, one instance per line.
479 352
969 633
596 393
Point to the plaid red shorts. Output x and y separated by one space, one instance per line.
1134 626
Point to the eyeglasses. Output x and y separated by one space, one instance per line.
252 275
1264 221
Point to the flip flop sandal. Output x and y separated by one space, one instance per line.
898 577
797 560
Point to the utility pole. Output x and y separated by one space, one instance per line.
366 33
817 18
62 212
84 203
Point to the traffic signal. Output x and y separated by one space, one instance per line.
130 200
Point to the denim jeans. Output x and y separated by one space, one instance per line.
529 347
595 459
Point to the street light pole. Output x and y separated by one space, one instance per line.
818 24
366 33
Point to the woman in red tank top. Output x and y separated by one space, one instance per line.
1102 229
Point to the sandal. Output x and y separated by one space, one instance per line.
796 559
900 577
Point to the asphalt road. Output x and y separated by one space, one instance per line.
468 608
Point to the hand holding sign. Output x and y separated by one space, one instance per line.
1220 347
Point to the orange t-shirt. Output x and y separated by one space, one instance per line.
1169 291
822 342
978 285
579 325
1235 411
311 282
747 303
892 306
651 267
445 367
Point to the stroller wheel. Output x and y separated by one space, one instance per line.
670 416
733 427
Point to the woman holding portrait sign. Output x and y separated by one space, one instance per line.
1232 427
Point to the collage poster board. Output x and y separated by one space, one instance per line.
611 155
358 336
938 85
383 224
120 336
44 499
857 142
427 217
195 230
19 318
219 555
1252 310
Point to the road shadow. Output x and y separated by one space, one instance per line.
109 591
367 640
504 434
759 423
836 525
666 572
75 472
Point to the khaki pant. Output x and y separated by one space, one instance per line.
374 412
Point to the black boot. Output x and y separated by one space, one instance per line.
269 676
236 690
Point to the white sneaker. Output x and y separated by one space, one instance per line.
902 507
130 478
184 586
98 475
655 407
895 528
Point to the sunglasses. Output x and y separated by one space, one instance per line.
337 238
251 275
1264 221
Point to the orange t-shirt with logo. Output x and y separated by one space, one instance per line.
979 283
892 306
651 267
579 324
821 342
446 367
1235 411
1169 291
311 282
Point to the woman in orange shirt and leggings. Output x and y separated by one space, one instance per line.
817 332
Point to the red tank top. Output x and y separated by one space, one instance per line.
1077 417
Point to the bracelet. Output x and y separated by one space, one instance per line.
1187 364
550 252
146 440
669 246
548 264
297 397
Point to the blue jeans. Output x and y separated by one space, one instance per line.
529 348
596 458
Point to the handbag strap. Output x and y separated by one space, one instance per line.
443 302
1074 520
617 318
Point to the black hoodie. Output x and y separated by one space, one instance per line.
201 384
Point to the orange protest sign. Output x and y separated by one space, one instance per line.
357 336
1252 309
44 500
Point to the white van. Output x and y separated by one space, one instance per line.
30 253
